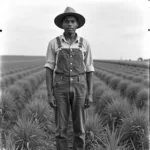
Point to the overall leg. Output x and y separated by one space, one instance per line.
61 117
78 115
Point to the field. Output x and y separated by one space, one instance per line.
118 119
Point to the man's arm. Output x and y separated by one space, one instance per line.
49 84
89 96
49 80
89 78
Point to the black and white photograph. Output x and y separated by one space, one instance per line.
74 75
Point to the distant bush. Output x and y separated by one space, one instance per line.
122 86
138 79
114 82
18 94
146 82
108 78
98 92
142 99
132 91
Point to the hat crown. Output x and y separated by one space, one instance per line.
69 10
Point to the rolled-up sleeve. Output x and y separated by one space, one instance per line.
50 57
89 60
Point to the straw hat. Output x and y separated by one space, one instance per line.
69 12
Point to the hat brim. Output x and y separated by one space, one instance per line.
58 20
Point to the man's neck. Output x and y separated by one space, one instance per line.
70 37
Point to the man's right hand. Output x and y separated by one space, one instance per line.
52 101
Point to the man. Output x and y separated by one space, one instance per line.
69 71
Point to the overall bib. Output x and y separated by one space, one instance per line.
70 90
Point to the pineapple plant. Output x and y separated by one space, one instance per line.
39 111
18 95
114 82
27 134
132 92
107 97
142 99
135 130
122 86
115 112
94 129
26 85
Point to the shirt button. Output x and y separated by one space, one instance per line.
70 55
70 63
70 70
71 79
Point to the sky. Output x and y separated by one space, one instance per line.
115 29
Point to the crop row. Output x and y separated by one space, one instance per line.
144 64
131 71
34 129
12 70
123 68
134 92
5 66
113 123
10 79
14 99
132 78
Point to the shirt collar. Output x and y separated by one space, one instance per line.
63 38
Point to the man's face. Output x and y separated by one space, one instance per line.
70 24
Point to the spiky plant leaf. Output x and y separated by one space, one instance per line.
115 112
41 94
122 86
18 94
28 135
132 92
114 82
142 99
26 87
105 99
108 79
98 92
8 109
135 129
94 129
40 112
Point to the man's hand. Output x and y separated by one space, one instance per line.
52 101
88 100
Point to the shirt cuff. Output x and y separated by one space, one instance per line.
49 65
90 68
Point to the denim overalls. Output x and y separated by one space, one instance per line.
70 90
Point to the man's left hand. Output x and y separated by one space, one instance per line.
88 100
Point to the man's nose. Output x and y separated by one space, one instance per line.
70 23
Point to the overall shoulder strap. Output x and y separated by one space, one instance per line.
81 42
58 42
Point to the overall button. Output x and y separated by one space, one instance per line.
70 55
70 63
70 69
71 79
